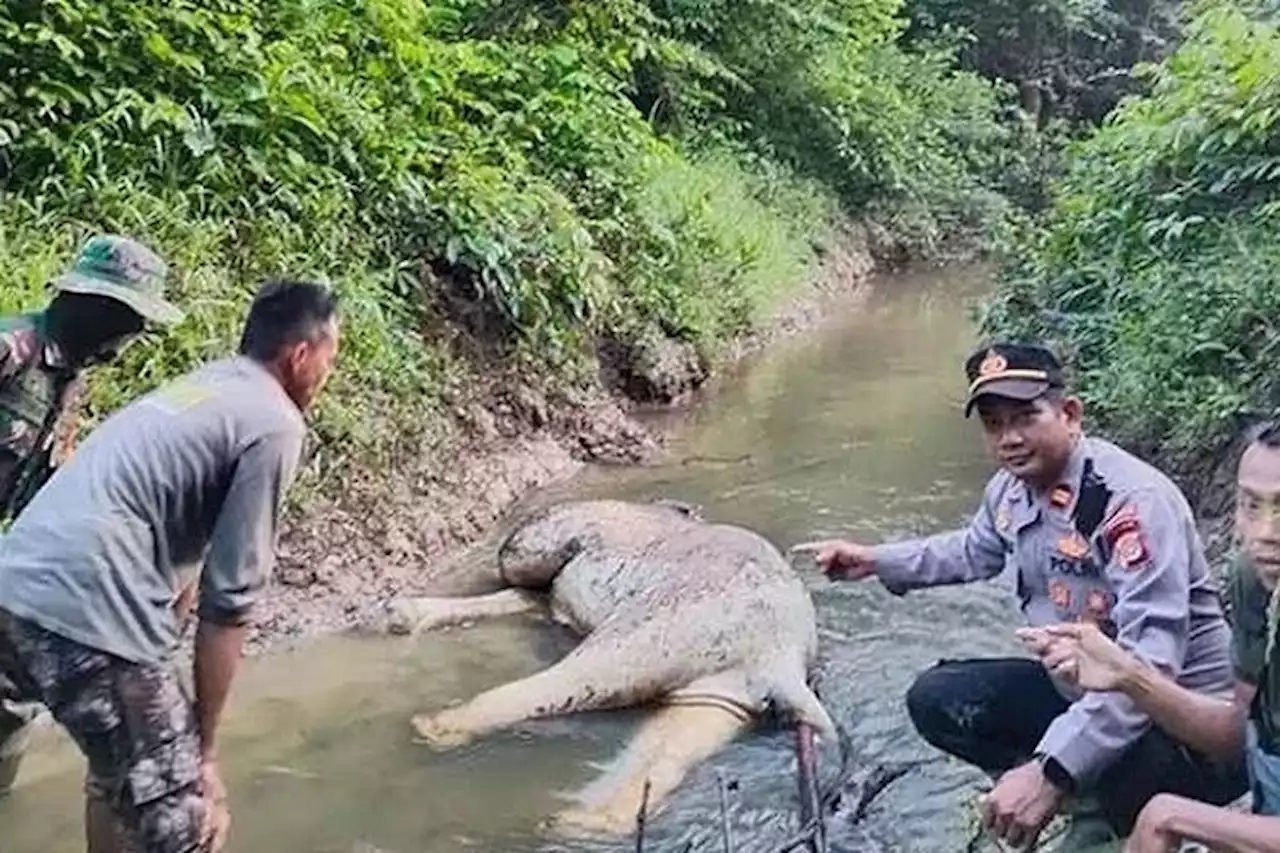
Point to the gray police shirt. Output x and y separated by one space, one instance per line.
193 473
1113 542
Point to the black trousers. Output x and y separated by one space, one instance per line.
992 713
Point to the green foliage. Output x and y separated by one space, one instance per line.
725 245
1071 58
1159 270
823 86
540 172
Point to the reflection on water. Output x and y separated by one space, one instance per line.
856 431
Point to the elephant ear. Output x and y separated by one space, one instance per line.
688 510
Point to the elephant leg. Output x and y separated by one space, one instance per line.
695 723
591 677
409 615
669 744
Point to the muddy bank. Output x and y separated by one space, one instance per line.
406 529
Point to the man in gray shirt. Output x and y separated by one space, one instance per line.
177 493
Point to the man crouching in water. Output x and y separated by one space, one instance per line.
181 488
1219 727
1090 532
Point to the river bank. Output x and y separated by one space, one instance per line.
407 530
853 428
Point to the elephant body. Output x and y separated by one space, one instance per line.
707 621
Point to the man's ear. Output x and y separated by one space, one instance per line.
1073 408
295 355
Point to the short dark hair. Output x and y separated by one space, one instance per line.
286 312
1266 433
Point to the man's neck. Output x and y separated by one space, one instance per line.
273 370
1041 485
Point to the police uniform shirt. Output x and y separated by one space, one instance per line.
1114 542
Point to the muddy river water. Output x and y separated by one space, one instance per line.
854 430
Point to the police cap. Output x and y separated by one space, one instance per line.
1013 371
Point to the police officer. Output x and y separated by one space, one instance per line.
1092 533
113 289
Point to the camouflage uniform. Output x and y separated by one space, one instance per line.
39 396
135 724
40 393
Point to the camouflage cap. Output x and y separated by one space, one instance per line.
125 270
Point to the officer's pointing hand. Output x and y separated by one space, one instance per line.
841 560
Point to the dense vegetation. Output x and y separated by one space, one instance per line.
548 175
1159 271
542 173
1071 60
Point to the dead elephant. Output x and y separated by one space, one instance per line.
707 622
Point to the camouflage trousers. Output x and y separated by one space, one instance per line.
134 723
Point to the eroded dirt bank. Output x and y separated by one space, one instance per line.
404 529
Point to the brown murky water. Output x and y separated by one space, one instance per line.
853 431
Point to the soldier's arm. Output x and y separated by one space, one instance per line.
1148 565
241 554
62 444
975 552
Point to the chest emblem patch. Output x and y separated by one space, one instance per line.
1098 603
1073 546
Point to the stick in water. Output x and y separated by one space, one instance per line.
725 831
807 771
641 816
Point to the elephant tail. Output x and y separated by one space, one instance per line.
798 700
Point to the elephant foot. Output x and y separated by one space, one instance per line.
436 732
582 823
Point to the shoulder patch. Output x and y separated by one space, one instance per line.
1124 521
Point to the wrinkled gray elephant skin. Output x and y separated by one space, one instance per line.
708 622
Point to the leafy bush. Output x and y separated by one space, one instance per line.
1159 271
542 172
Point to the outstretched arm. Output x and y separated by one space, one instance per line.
1166 821
975 552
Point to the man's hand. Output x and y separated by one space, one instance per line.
1080 654
217 818
841 560
1020 805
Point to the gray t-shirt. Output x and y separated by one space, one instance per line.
192 473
